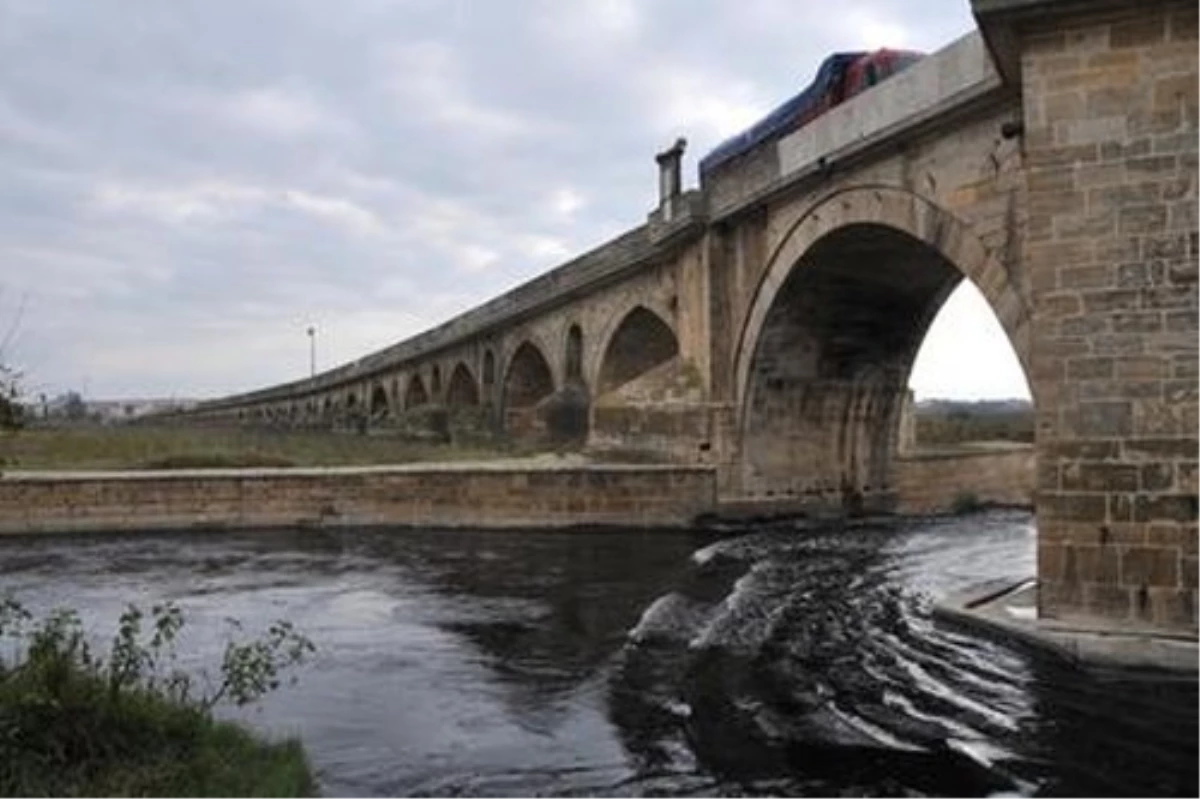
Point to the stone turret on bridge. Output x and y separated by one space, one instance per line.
766 322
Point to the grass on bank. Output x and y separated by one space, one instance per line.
74 724
136 447
939 427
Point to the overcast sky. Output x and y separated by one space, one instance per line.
186 186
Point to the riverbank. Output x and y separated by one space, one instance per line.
129 447
76 720
1008 608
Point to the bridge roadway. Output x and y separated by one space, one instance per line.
765 323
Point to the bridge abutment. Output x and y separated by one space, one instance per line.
1110 110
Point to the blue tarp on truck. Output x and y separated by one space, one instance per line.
840 77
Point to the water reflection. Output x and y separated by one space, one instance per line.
771 661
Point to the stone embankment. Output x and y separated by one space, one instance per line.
929 481
541 494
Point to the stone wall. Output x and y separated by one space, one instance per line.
1110 106
934 482
448 496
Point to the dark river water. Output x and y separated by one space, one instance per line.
764 661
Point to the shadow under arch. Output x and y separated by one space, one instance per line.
461 391
528 381
415 394
379 402
638 343
826 349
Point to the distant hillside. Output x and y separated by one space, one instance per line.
942 421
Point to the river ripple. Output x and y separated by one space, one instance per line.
769 660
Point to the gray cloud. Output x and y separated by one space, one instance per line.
185 186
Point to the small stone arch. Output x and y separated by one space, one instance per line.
573 354
489 367
527 381
379 401
640 342
415 395
462 391
435 382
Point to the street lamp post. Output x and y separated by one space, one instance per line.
312 351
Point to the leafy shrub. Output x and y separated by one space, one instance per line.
73 722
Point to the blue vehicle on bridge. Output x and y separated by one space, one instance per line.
840 77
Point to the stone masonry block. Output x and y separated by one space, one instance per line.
1165 507
1099 477
1150 566
1110 601
1138 33
1095 564
1157 476
1100 419
1074 507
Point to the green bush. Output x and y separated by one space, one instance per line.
74 723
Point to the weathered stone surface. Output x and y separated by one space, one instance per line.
480 496
1137 109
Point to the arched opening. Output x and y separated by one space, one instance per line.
435 381
461 391
327 408
951 401
527 382
379 402
489 368
415 396
573 357
826 382
641 342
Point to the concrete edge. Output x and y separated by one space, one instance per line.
992 608
337 524
449 467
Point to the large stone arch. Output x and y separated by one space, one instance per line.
824 354
639 342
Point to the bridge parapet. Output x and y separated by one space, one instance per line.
947 82
608 262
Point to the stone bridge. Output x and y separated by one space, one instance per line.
766 322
